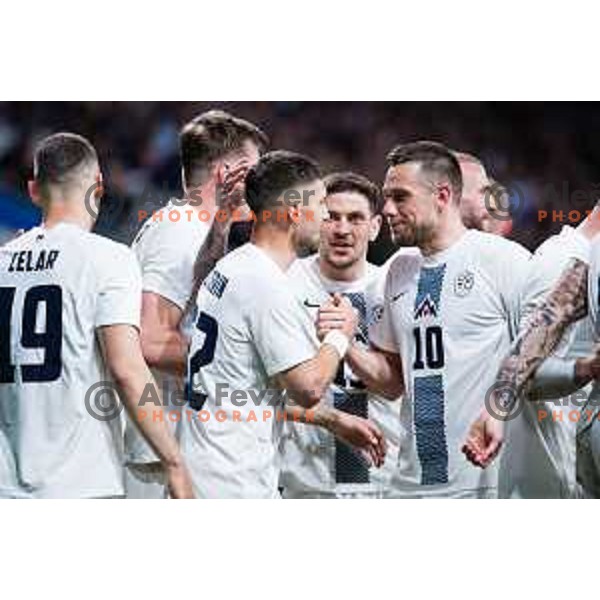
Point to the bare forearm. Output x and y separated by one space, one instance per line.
211 251
153 427
319 415
564 305
377 371
166 351
308 383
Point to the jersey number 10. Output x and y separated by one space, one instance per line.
49 340
434 348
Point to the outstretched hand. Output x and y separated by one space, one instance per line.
361 434
484 440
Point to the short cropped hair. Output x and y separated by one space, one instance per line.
275 173
337 183
465 157
435 160
60 158
210 137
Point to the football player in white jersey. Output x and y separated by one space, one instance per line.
69 314
538 460
449 313
254 338
484 204
314 463
217 149
573 297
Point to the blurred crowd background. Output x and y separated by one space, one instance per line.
546 154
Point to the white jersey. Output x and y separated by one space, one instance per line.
57 286
588 436
450 317
312 459
166 247
250 327
538 459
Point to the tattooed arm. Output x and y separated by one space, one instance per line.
566 303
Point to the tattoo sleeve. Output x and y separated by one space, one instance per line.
565 304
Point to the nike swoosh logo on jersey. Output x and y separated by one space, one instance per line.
398 296
310 304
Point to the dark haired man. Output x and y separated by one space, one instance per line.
254 337
70 309
314 463
217 149
449 314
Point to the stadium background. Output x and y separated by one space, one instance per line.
545 153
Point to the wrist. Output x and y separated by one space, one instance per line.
173 463
326 417
338 341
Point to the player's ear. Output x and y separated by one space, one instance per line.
444 195
293 213
99 191
34 192
374 227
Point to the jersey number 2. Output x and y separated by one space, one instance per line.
202 357
49 340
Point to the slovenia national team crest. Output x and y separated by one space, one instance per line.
463 284
376 314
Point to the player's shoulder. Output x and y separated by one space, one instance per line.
254 276
304 268
402 265
496 249
174 225
21 241
486 240
110 259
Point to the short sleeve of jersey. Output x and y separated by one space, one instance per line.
166 255
381 332
548 264
119 292
514 269
283 332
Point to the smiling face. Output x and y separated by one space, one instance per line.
346 233
410 205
